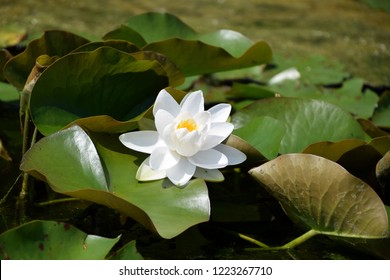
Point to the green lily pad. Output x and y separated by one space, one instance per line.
263 133
349 96
52 43
194 53
101 82
49 240
127 34
127 252
381 115
306 121
322 195
102 170
8 93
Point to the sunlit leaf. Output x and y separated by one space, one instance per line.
349 96
102 170
127 34
263 133
306 121
52 43
381 115
127 252
102 82
49 240
323 196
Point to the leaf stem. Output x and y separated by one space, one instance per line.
55 201
254 241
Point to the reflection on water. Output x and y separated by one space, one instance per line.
347 30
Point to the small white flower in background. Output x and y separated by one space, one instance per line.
288 74
187 142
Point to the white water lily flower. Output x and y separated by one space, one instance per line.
187 142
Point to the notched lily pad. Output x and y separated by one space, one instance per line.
102 170
49 240
322 195
52 43
105 81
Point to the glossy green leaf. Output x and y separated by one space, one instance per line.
127 252
194 53
120 45
52 43
49 240
102 82
263 133
323 196
8 93
306 121
381 115
102 170
349 96
126 33
195 57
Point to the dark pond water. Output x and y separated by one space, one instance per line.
349 31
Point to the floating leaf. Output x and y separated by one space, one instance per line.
52 43
102 82
323 196
193 52
306 121
349 96
48 240
127 252
263 133
127 34
381 115
102 170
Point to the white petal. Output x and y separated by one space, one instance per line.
141 141
146 173
203 120
166 102
162 118
220 112
211 175
217 133
288 74
193 103
182 172
210 159
187 143
162 158
234 156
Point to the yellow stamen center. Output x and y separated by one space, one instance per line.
189 124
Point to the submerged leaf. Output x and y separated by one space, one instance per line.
323 196
47 240
102 170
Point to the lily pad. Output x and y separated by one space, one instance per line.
194 53
323 196
52 43
49 240
381 115
263 133
305 121
102 170
101 82
127 252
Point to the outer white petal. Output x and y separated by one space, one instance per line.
182 172
210 159
220 112
217 133
146 173
212 175
234 156
141 141
163 158
162 119
193 103
166 102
